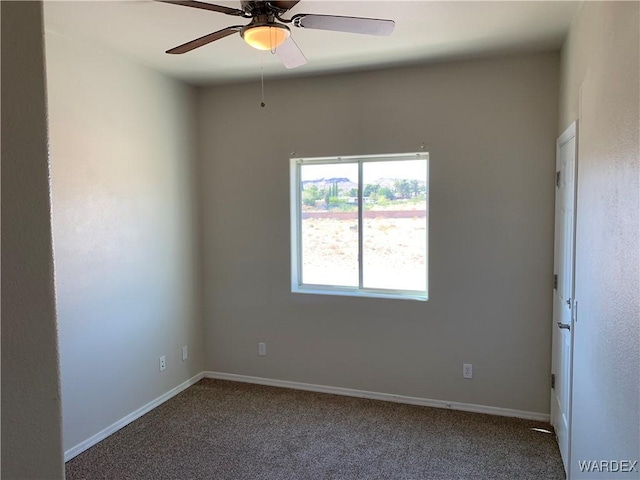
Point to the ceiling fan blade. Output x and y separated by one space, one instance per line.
290 54
367 26
199 42
283 5
206 6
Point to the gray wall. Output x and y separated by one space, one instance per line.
31 416
600 82
490 127
124 231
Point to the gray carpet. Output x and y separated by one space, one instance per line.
228 430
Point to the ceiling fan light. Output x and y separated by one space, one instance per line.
266 37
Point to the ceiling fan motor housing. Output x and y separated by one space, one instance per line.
254 7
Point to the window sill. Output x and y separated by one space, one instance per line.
367 293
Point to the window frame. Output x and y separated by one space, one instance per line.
295 191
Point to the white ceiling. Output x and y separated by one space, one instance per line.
425 31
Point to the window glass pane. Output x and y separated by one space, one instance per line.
329 224
395 225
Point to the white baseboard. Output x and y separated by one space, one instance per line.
123 422
388 397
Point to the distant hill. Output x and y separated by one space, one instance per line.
344 184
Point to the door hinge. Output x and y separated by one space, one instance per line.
555 281
553 380
557 179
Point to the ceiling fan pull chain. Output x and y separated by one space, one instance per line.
262 104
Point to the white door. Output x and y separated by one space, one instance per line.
563 303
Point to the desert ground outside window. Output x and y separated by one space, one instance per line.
359 225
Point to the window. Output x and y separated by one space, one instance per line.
359 225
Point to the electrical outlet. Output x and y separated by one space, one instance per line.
262 349
467 370
163 363
185 353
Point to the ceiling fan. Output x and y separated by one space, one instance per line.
267 30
